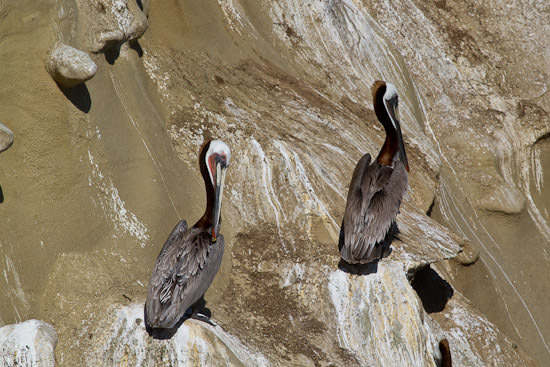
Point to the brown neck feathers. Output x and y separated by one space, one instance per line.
206 220
385 157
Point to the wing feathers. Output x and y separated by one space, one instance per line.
184 268
371 210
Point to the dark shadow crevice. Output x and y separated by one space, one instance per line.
431 208
134 45
434 291
111 50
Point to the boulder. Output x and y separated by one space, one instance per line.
6 138
69 66
29 343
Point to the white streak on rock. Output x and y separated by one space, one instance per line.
15 294
266 182
113 206
399 337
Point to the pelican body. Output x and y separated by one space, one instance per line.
376 188
191 257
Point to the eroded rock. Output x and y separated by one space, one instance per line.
69 66
29 343
6 138
106 25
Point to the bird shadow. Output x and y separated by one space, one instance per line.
358 269
167 333
1 195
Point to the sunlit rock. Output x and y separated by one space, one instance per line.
122 340
69 66
29 344
380 318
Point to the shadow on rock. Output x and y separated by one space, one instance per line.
165 333
79 97
358 269
361 269
112 51
134 45
434 291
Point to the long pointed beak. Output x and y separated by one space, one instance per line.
400 145
220 179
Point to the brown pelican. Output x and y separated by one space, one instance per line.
191 257
376 189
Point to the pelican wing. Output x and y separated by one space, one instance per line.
372 210
352 220
183 271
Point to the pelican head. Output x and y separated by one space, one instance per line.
217 159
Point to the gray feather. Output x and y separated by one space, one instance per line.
183 271
373 202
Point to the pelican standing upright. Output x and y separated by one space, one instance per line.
191 257
376 189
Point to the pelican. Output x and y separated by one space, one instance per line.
376 189
191 257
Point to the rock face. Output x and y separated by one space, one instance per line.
68 66
30 343
103 173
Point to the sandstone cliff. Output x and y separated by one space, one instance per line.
100 172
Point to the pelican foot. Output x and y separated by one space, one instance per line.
201 317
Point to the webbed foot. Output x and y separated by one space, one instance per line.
201 317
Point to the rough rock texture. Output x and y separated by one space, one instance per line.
30 343
68 66
106 25
6 138
122 340
105 170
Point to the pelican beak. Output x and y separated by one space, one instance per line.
391 106
221 166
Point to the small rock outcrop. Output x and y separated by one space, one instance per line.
29 343
6 138
69 66
105 26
